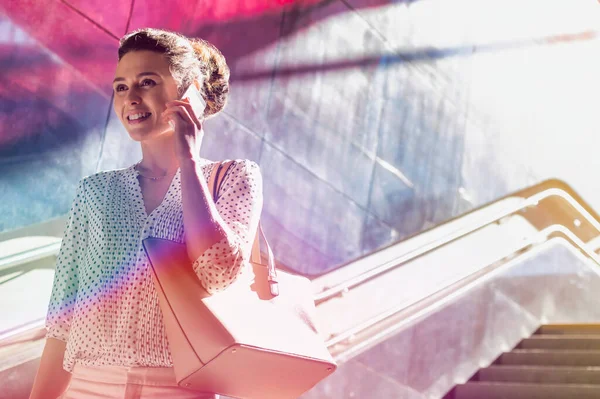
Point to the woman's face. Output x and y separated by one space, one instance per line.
143 85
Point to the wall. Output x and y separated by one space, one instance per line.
372 120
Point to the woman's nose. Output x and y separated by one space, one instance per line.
133 98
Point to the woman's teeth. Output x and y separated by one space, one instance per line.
138 116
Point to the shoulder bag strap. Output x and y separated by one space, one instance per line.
214 184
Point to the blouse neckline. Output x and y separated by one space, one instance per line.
137 189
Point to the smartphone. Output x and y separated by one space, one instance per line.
196 100
198 103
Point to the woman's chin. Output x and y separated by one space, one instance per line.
146 134
138 135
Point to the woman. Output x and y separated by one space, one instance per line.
106 337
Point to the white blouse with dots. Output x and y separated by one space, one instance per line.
103 303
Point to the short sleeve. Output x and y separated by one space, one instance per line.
239 203
66 275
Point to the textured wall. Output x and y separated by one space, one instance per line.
372 120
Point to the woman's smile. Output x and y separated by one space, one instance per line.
137 118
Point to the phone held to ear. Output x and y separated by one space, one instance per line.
196 100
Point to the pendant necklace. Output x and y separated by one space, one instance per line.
148 177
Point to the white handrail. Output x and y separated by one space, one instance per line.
542 236
52 249
334 291
31 255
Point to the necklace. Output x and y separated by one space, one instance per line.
148 177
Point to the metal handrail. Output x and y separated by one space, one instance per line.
31 328
540 237
52 249
331 292
533 200
31 255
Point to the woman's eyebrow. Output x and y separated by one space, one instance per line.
139 75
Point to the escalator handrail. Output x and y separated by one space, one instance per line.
30 255
332 292
541 237
27 332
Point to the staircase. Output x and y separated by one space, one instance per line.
557 362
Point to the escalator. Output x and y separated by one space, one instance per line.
440 306
455 312
557 362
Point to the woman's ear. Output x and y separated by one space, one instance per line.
197 84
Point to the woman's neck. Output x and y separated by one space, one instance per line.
158 159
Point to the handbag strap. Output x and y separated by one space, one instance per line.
214 184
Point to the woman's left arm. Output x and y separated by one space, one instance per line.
219 235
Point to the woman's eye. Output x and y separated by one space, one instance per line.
149 82
145 82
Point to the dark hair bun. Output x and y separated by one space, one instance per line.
214 70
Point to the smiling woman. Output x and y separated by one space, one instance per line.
106 336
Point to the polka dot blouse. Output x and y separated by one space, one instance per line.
103 303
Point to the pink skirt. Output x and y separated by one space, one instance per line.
115 382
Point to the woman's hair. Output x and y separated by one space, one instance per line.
188 59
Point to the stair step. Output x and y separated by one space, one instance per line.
540 374
591 342
546 357
570 329
500 390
